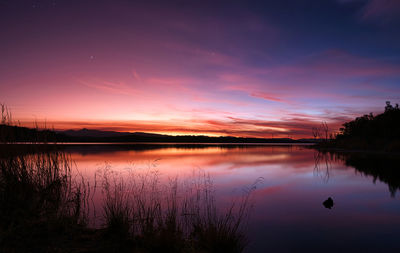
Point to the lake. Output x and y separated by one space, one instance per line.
291 181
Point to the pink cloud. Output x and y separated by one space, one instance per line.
136 76
265 96
381 10
111 87
250 85
290 127
341 64
327 73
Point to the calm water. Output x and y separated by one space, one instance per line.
288 214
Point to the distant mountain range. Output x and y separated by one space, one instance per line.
111 136
84 132
23 134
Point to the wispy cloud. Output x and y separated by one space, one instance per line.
266 96
110 87
254 92
378 10
298 126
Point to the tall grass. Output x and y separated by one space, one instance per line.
38 199
39 184
44 208
177 216
41 199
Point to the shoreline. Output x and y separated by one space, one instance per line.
345 150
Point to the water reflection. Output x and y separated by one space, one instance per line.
382 167
287 214
322 165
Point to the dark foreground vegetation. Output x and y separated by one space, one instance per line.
45 207
370 144
369 132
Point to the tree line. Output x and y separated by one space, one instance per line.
377 132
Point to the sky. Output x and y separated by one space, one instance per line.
237 68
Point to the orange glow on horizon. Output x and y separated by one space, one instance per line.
167 70
215 128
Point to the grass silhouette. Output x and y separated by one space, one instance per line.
44 208
180 216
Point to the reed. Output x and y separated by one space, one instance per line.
178 216
39 199
44 208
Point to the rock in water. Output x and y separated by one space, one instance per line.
328 203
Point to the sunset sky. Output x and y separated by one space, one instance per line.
239 68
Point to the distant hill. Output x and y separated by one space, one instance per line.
84 132
86 135
23 134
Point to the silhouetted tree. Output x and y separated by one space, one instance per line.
325 130
315 132
321 132
368 131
